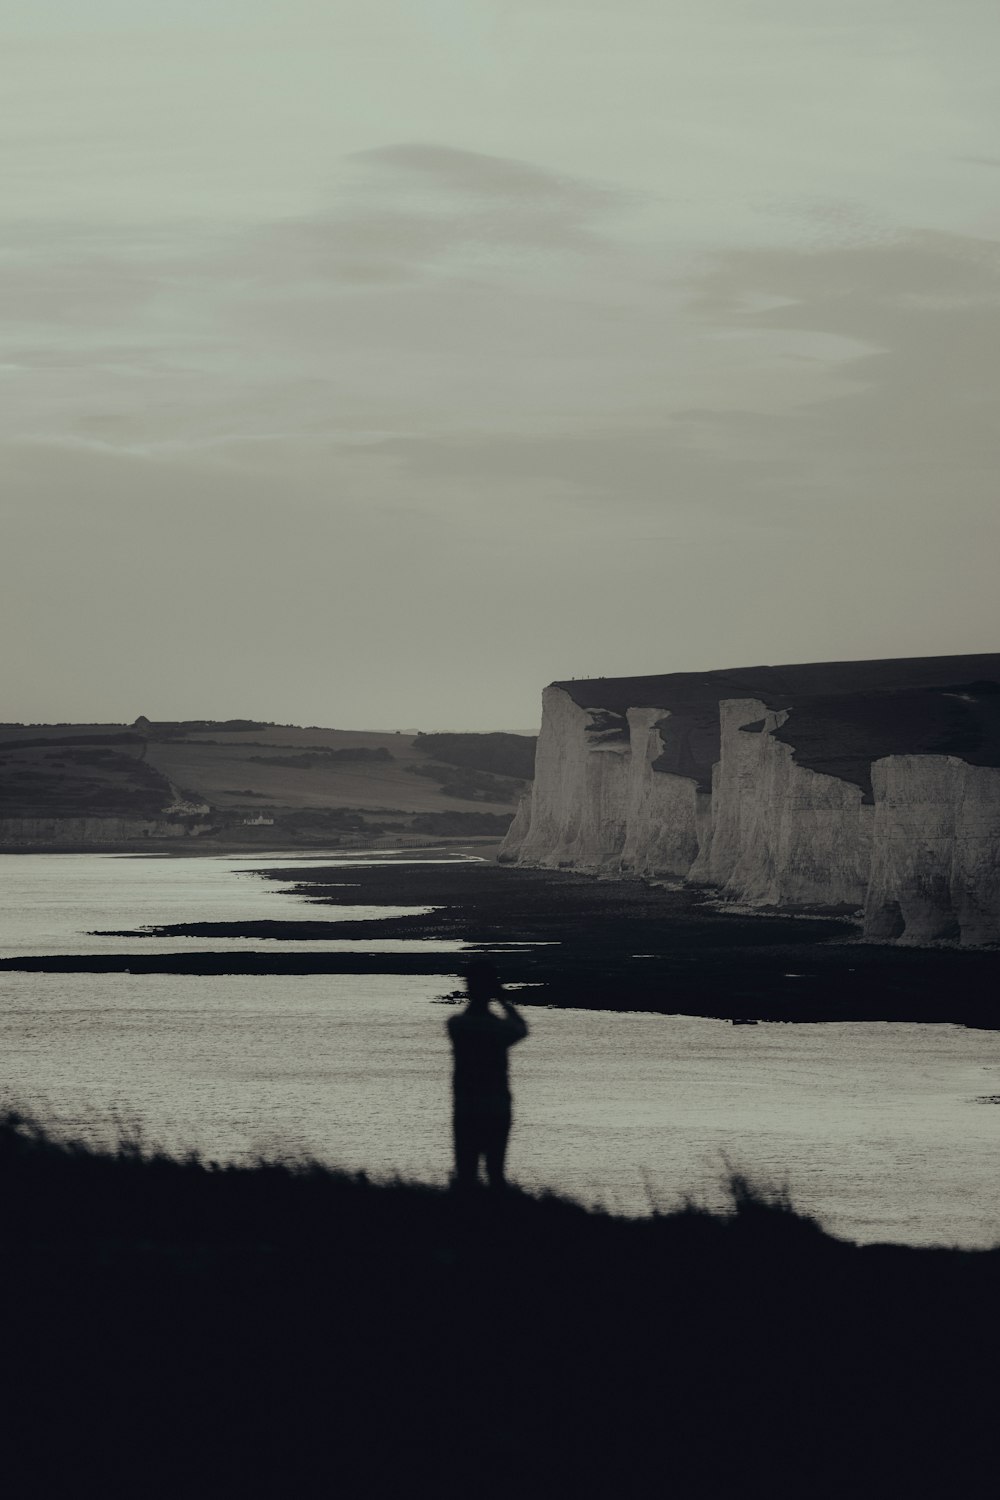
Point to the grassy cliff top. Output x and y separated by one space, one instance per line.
843 715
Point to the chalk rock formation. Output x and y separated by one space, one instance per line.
863 785
782 834
579 820
936 859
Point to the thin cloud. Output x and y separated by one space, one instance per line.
405 210
906 428
474 174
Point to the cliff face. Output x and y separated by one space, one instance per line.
577 816
785 796
781 834
662 811
936 851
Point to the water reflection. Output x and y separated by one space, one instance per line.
64 904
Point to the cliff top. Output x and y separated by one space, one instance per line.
842 715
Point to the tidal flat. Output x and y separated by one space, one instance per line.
573 941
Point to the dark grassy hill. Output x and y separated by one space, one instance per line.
86 774
501 754
171 1328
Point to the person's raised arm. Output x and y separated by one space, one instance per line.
518 1025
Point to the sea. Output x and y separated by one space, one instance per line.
884 1132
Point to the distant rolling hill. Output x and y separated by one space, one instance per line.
243 780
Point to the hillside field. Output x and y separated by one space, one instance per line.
222 772
306 779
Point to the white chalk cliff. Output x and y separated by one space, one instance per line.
871 786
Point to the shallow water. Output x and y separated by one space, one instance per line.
874 1127
59 903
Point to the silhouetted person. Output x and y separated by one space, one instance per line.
480 1040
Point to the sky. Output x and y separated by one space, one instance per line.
375 365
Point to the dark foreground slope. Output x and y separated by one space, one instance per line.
175 1329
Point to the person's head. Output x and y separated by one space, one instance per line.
481 982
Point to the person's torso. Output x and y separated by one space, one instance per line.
480 1046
